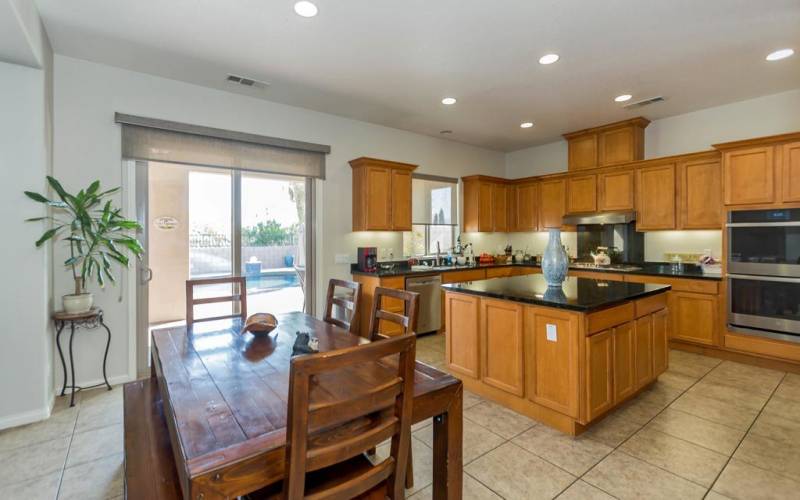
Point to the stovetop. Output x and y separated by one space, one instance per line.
611 267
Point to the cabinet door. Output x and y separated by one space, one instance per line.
378 198
526 207
552 377
700 193
552 203
471 210
501 338
582 194
748 176
392 305
643 351
401 200
500 207
485 207
582 152
694 317
655 198
599 369
791 172
615 191
660 346
617 146
463 338
624 368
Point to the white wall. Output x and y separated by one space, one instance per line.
26 356
87 147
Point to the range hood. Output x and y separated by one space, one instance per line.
602 218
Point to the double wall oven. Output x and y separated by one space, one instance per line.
764 273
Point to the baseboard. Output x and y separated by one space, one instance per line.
23 418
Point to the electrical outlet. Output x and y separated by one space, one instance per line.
552 332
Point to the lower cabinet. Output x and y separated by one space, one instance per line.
695 317
599 379
501 336
624 370
660 341
463 337
643 351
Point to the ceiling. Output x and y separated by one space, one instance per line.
391 62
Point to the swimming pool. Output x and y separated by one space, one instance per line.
271 281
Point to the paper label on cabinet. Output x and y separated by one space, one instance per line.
552 333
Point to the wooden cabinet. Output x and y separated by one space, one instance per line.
660 341
552 203
748 175
381 195
552 360
612 144
486 204
368 285
501 338
582 194
499 272
615 191
790 160
643 351
695 317
462 345
700 193
582 151
655 197
525 207
624 368
599 378
462 276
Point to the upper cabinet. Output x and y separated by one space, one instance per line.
615 191
381 195
582 194
700 192
762 171
486 204
612 144
655 197
524 212
552 202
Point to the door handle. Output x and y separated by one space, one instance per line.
149 273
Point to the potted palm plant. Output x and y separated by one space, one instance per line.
96 232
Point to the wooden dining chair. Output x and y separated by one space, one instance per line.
236 297
348 304
327 437
407 321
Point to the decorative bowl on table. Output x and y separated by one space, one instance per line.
260 324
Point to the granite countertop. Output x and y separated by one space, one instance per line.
576 294
690 271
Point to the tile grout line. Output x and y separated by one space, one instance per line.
747 432
69 448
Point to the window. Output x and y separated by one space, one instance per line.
434 202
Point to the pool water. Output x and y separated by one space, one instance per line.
271 281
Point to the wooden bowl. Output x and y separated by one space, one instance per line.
260 324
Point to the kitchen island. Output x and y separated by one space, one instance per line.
564 356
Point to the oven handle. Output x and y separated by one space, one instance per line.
763 224
763 278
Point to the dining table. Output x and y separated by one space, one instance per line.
225 395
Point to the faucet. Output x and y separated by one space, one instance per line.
438 254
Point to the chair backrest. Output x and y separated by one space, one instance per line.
407 320
328 431
348 304
238 295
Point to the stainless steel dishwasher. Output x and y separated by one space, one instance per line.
430 302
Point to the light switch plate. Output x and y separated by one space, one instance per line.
552 333
341 258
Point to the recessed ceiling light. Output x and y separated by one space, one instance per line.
548 59
447 101
305 9
623 98
780 54
526 125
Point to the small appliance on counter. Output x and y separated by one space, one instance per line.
368 259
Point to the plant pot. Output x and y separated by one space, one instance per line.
77 303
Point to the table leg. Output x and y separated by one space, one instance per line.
105 356
61 356
447 452
72 364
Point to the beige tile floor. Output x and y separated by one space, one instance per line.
706 429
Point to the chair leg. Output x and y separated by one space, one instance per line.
410 471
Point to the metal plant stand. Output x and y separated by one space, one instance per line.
88 320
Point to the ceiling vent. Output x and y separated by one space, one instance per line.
247 82
644 102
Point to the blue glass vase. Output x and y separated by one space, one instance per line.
555 260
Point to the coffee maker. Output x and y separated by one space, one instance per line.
368 259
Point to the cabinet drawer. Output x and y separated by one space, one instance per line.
499 272
649 305
459 276
678 284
